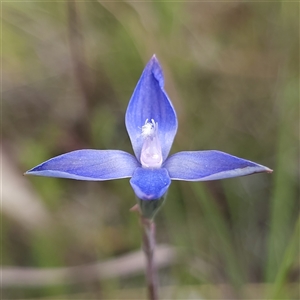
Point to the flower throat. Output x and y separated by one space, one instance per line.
151 155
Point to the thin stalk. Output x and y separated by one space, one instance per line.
148 227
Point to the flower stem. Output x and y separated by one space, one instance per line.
148 227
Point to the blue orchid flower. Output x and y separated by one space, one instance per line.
151 123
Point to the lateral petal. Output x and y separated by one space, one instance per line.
209 165
95 165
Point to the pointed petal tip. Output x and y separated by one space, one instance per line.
32 172
27 173
154 58
268 170
154 62
260 169
263 169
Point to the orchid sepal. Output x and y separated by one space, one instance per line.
150 102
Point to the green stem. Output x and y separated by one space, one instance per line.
148 227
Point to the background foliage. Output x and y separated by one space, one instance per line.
231 69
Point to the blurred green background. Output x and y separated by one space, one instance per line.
232 72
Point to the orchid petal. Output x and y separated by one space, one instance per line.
94 165
209 165
150 184
150 102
